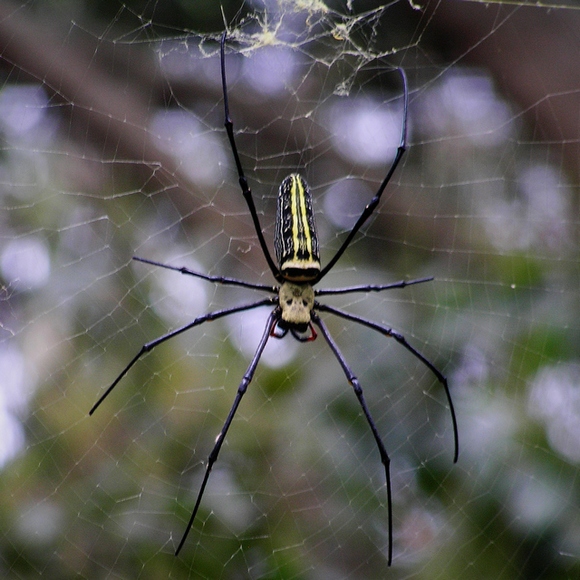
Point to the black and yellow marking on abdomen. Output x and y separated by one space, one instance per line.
295 238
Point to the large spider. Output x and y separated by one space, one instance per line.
294 300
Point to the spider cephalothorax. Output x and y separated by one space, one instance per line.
293 303
296 303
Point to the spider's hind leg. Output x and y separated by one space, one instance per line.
243 181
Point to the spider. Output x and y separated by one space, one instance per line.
294 299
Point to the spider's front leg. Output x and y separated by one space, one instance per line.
354 382
246 380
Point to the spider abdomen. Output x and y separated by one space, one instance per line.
295 238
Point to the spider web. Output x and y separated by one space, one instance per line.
111 116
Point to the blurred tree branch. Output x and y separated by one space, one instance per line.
105 111
533 55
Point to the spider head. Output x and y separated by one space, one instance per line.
296 303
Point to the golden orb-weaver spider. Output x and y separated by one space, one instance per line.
294 301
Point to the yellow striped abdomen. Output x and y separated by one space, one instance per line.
295 238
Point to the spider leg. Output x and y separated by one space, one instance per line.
370 208
216 279
148 347
246 192
361 399
385 330
371 287
272 320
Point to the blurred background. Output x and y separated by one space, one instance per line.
112 145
